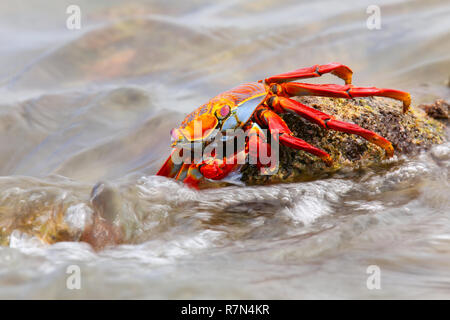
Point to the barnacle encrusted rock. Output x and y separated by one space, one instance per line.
409 133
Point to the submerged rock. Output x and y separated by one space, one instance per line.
408 133
438 110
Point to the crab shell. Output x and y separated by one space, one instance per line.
228 111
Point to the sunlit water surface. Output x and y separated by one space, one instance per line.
78 107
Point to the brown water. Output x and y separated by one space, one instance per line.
78 107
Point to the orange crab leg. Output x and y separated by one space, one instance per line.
337 69
182 173
328 122
193 176
188 173
277 125
256 144
169 169
339 91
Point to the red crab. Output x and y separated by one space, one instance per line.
256 105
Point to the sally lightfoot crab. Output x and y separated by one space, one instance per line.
256 106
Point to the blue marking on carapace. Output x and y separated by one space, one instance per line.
242 112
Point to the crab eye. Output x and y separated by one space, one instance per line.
223 112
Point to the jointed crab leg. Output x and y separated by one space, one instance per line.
277 125
182 174
256 144
337 69
169 169
339 91
193 176
328 122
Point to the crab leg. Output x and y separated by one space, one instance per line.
328 122
256 144
182 173
339 91
277 125
193 176
188 173
337 69
169 169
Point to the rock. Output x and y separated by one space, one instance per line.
438 110
106 202
409 133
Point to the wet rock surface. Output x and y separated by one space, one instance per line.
438 110
409 133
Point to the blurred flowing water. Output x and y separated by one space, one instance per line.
79 107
